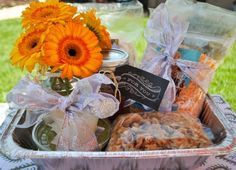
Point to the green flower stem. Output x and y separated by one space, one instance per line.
61 86
68 86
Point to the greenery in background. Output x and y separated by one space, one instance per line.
224 82
9 75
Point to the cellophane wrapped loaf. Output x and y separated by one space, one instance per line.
157 131
189 95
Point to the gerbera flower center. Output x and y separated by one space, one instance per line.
72 52
34 43
30 43
46 12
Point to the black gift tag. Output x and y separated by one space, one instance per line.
141 86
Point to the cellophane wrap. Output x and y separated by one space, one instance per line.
157 131
212 30
85 98
164 35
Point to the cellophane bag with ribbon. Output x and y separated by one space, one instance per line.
212 31
75 116
187 70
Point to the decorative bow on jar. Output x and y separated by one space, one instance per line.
76 134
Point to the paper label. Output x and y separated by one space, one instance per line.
141 86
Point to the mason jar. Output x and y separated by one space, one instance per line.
112 59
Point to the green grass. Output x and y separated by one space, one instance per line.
224 82
9 75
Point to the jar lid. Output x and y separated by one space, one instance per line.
114 57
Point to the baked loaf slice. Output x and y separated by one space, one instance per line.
157 131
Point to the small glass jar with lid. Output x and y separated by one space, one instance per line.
112 59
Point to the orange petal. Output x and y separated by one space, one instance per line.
64 72
85 72
69 72
76 70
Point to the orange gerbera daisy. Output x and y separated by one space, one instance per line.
73 49
94 24
51 11
27 51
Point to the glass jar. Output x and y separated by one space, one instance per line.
112 59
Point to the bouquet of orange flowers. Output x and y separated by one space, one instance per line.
59 38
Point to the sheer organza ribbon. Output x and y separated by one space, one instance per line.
164 35
85 98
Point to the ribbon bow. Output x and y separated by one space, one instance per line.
167 34
85 99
